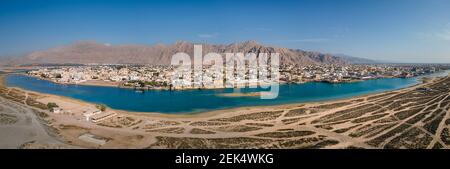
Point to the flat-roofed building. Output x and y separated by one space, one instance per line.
90 112
102 116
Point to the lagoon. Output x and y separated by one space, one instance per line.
194 101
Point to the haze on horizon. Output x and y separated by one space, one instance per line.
390 30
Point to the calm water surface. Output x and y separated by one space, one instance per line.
172 102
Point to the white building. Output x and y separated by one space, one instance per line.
89 113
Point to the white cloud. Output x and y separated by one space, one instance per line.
443 34
208 35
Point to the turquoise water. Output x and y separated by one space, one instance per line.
172 102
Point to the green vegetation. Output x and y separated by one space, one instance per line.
175 130
411 139
101 107
296 112
207 123
34 103
40 114
286 134
237 128
51 105
261 116
143 83
6 119
201 131
212 143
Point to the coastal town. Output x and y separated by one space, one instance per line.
412 117
224 84
160 77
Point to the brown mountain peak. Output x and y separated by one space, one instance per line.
84 52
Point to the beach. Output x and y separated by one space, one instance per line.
382 120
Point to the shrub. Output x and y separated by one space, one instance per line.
51 105
101 107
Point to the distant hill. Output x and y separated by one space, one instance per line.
86 52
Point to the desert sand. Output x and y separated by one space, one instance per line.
414 117
21 128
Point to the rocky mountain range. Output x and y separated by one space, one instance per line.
87 52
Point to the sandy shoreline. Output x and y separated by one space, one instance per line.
210 113
207 113
241 127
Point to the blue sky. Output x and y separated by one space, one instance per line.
394 30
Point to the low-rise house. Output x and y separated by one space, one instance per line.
90 112
56 110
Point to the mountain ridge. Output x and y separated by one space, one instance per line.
87 52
